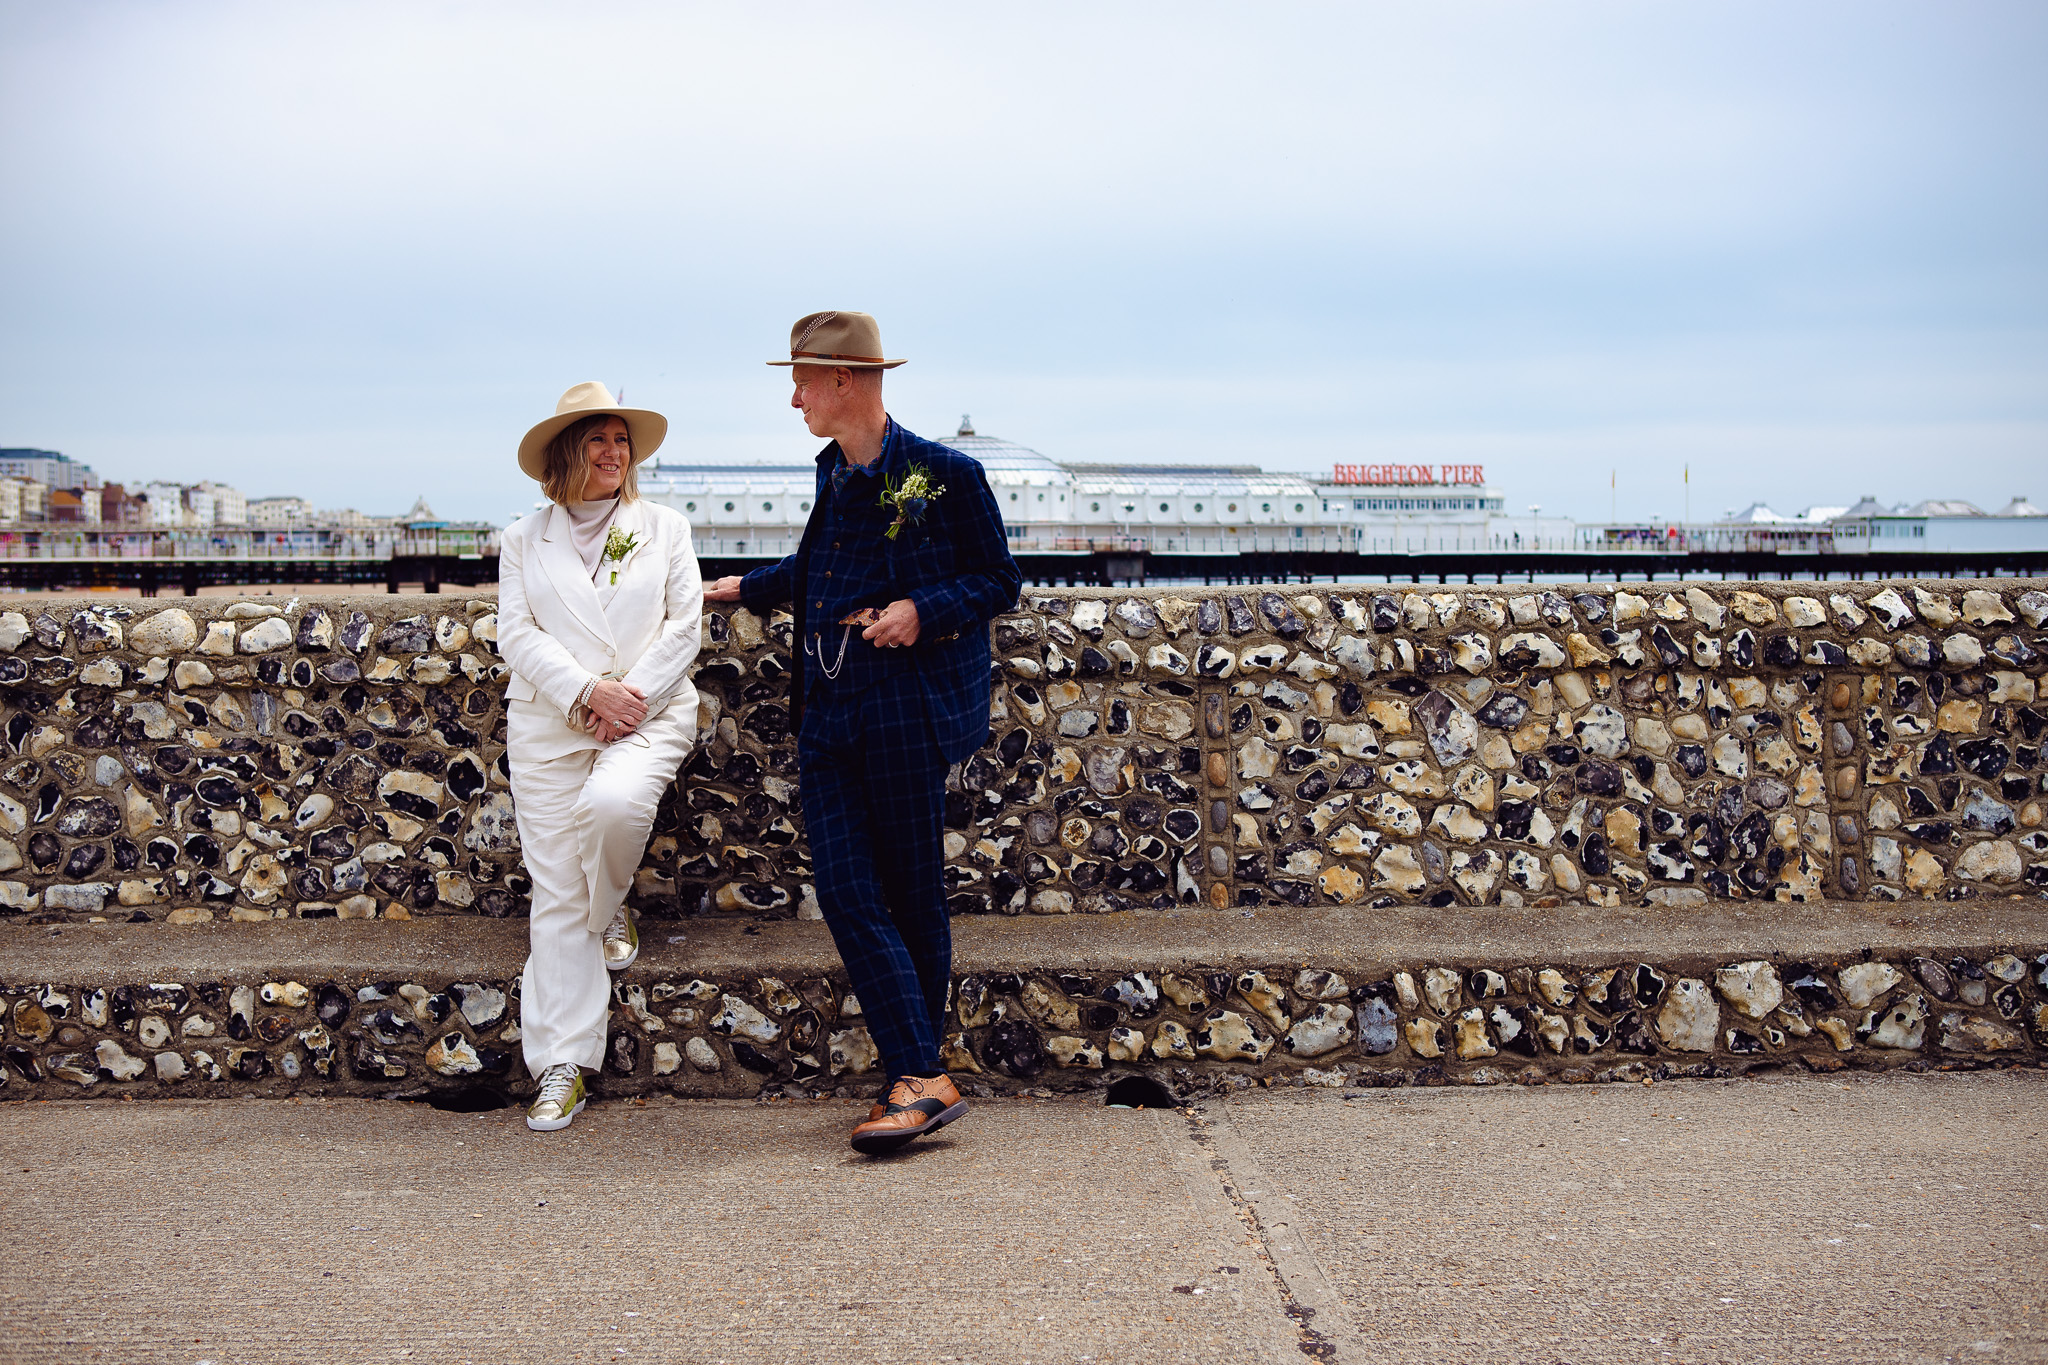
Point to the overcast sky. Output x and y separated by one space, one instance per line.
353 251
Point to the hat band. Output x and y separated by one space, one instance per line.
830 355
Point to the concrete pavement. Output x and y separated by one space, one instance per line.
1893 1217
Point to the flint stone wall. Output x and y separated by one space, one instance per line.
1149 750
1160 751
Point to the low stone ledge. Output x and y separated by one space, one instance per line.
1216 1000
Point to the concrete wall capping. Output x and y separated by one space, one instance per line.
1229 748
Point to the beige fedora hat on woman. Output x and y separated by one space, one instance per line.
590 399
853 340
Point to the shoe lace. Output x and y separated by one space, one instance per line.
557 1084
619 929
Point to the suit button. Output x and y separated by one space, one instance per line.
828 573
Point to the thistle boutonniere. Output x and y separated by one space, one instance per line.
910 498
617 546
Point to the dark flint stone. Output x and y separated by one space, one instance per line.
1014 745
89 818
1742 650
1648 985
1667 648
1299 758
1750 837
1525 1040
1593 608
1594 856
1767 792
1013 1046
341 672
1932 832
269 670
354 698
1598 777
1985 758
1282 617
1094 663
497 904
2008 1002
1554 608
322 748
479 702
84 861
1632 1033
1645 766
1782 651
1240 718
1119 720
1692 758
1208 617
1742 1041
1806 982
768 723
47 798
161 853
407 636
1504 711
1707 837
1240 615
96 732
1350 699
57 670
1728 805
1314 787
1827 653
220 792
1295 893
466 779
1514 818
12 671
333 842
1937 756
1443 898
2018 788
1407 687
391 754
1139 877
308 637
1563 755
1386 613
43 849
1377 1026
1251 867
1355 776
1537 768
331 1004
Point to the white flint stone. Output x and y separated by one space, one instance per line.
1752 988
1690 1020
1863 982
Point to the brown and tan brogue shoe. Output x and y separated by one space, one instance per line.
916 1106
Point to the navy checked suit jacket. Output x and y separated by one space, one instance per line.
955 566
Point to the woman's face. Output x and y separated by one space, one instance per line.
606 457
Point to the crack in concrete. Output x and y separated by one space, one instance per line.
1305 1293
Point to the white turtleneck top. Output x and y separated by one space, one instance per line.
589 524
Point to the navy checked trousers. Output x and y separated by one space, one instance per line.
874 797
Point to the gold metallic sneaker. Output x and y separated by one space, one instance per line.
621 942
561 1098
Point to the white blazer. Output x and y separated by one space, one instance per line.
557 629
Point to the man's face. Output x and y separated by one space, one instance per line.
821 394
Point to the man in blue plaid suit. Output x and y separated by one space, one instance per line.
900 567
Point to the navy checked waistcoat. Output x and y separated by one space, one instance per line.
955 566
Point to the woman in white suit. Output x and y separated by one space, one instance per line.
599 606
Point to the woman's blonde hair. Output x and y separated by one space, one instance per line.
563 478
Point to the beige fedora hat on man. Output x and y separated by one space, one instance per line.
590 399
853 340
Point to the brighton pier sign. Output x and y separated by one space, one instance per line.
1405 474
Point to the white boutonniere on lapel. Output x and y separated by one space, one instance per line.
617 546
910 498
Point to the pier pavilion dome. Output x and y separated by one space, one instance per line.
1030 488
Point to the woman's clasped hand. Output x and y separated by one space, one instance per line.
614 709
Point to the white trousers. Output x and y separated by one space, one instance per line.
584 818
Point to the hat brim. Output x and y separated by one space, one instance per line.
647 430
844 364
